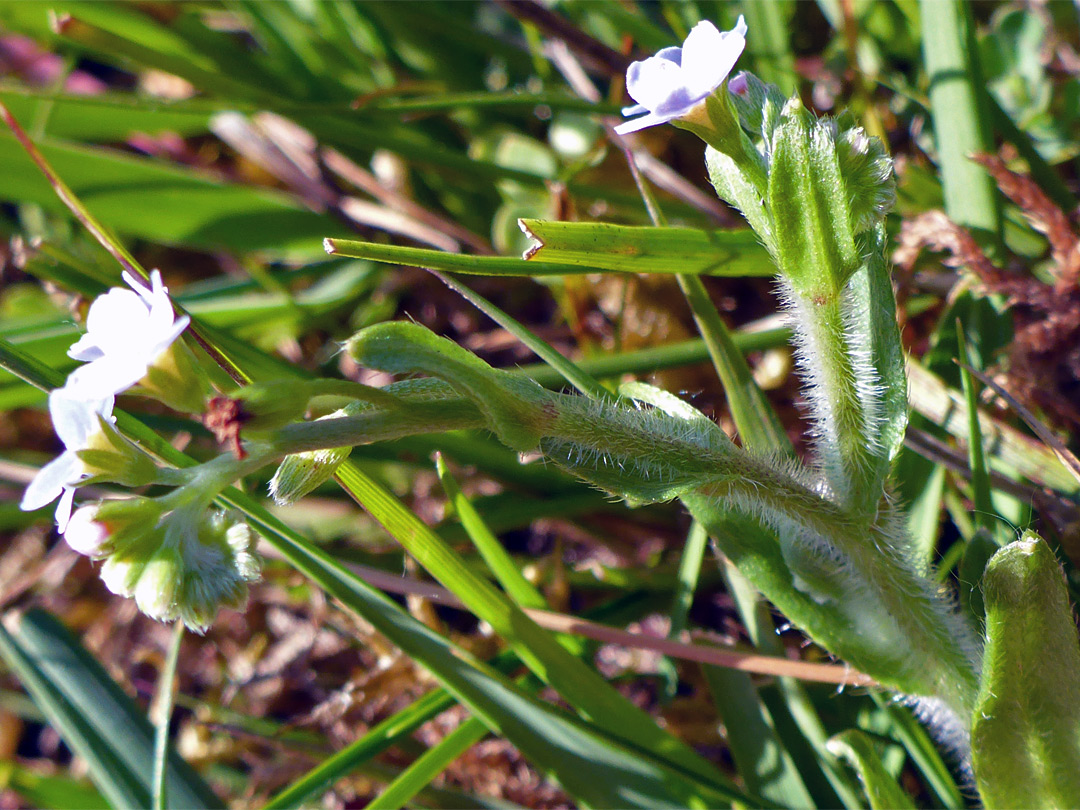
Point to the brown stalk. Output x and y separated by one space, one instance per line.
727 657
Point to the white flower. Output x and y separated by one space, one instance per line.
75 420
670 84
126 332
84 533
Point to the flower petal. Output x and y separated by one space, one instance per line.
84 533
709 56
653 81
166 339
111 374
650 120
49 483
139 286
75 412
63 509
85 349
113 318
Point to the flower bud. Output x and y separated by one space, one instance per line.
99 529
181 564
85 534
301 473
219 561
121 571
159 584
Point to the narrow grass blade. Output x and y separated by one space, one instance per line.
881 788
755 419
108 117
197 211
585 383
117 784
600 246
164 705
760 756
792 710
362 750
980 476
770 46
429 765
912 735
573 680
670 355
662 258
93 714
502 566
591 766
49 792
1006 447
449 262
960 115
689 573
927 481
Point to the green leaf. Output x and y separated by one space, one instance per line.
629 249
881 788
186 209
1026 732
809 204
93 715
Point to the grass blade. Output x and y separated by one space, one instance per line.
760 755
429 765
959 110
506 572
164 706
980 476
574 681
94 715
881 789
628 249
912 735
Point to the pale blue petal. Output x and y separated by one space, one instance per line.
650 120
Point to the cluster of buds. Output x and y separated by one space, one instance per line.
178 563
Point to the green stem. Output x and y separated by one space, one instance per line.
841 421
166 685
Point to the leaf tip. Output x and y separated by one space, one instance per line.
59 22
526 229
